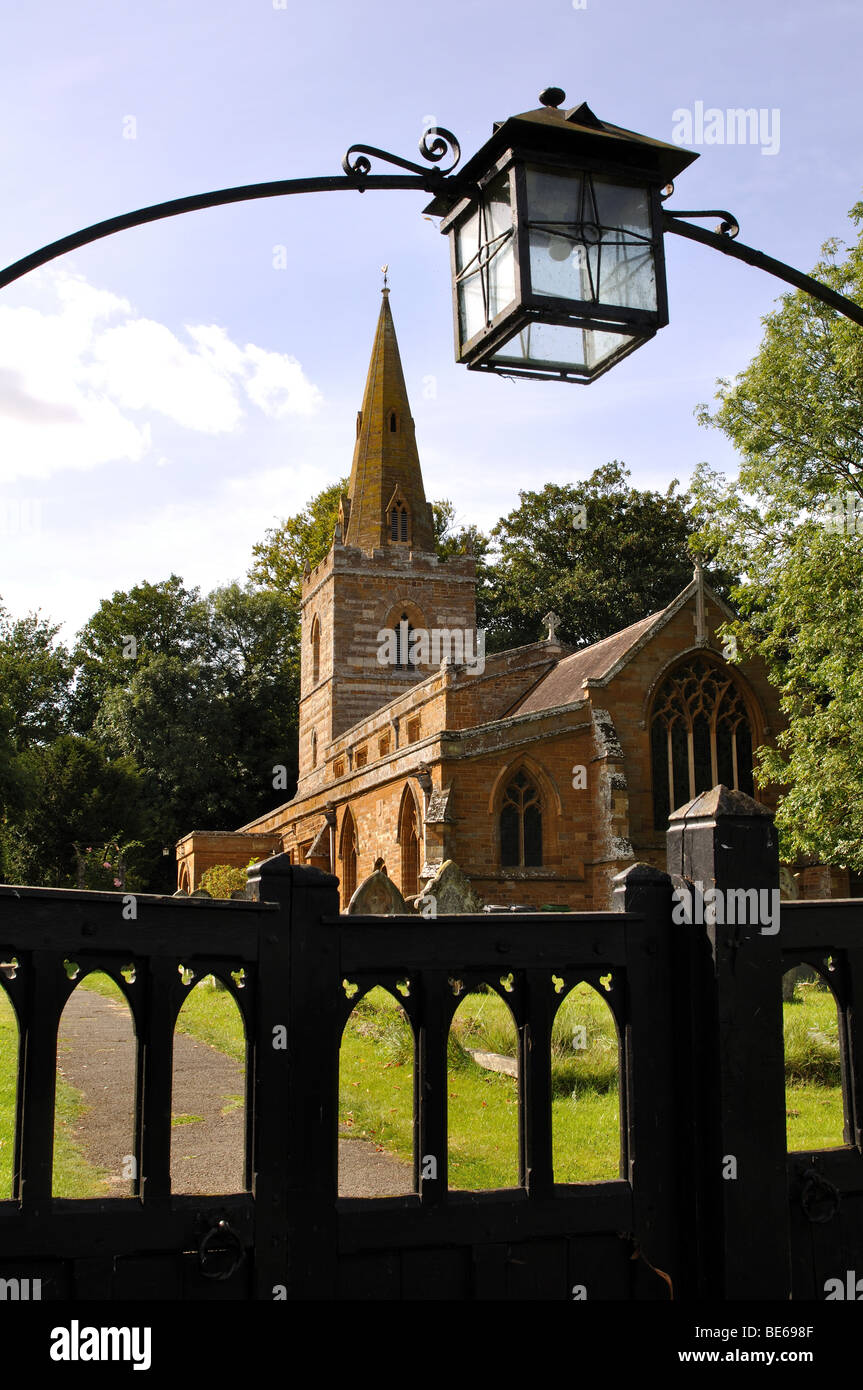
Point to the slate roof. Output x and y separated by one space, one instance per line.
563 684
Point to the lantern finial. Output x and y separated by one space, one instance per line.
552 96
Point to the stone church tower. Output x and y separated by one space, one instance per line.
382 571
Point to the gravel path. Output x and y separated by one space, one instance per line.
97 1057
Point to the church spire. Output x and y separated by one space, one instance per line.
387 504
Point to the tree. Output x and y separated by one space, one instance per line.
791 524
208 725
164 619
281 556
83 797
601 554
35 677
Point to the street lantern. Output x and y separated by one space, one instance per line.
555 229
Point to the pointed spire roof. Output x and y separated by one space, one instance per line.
386 473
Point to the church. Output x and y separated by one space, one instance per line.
541 771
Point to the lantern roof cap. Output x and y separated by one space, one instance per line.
575 133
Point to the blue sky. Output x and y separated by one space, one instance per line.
168 394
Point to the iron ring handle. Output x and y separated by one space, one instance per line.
817 1190
221 1229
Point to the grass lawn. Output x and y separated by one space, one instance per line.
376 1083
813 1083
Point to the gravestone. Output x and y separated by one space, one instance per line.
451 890
377 896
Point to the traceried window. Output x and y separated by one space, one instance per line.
700 736
521 824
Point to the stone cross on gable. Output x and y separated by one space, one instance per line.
553 622
699 617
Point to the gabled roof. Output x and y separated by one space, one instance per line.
601 661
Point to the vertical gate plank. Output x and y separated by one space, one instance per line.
38 1076
431 1060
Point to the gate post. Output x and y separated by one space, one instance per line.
723 858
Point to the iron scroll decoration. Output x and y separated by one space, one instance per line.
436 143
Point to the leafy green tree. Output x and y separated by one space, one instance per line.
281 556
83 797
791 525
35 677
164 619
207 731
602 554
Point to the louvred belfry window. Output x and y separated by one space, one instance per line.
700 736
403 640
521 824
399 524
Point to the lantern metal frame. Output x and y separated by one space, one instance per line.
530 306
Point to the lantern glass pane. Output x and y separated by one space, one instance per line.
563 346
590 240
485 267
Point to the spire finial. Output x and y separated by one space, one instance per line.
384 269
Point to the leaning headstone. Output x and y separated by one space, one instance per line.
451 890
377 896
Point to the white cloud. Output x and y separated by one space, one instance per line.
72 374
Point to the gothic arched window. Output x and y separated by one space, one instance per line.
314 749
521 824
700 736
394 423
348 857
409 842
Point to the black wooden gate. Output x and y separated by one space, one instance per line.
707 1204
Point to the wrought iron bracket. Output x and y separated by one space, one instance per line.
723 240
435 144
